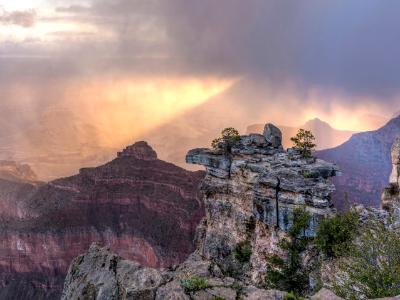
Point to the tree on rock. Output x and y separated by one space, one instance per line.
304 142
230 136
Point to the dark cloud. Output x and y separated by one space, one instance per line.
25 18
347 45
350 46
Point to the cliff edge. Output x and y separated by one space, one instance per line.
250 193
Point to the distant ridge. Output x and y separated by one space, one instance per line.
365 162
144 208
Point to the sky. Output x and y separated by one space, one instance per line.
130 66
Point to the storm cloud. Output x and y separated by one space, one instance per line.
350 46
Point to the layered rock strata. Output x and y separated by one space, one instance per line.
250 192
143 208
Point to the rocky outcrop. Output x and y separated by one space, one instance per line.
250 193
143 208
391 194
99 274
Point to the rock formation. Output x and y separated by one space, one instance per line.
391 194
250 193
255 189
326 136
143 208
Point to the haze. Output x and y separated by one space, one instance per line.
94 76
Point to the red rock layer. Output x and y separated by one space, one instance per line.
143 208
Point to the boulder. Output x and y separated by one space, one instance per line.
325 294
273 135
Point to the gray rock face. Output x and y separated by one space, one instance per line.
254 193
391 194
102 275
273 135
395 154
250 193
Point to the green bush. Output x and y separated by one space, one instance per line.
243 251
372 269
304 142
308 174
292 296
218 298
194 283
289 274
229 137
335 234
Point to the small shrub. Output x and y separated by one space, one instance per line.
218 298
292 296
304 142
335 234
229 137
308 174
243 252
194 283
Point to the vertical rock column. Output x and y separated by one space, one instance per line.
391 194
251 192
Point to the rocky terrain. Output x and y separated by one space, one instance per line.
326 136
365 162
143 208
250 193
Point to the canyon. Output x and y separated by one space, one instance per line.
143 208
250 193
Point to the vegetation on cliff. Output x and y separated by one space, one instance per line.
372 268
335 234
304 142
229 137
289 274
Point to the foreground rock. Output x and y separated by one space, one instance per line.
145 209
102 275
250 193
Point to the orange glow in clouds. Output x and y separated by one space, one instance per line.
125 108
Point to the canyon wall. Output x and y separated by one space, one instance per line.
251 190
143 208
